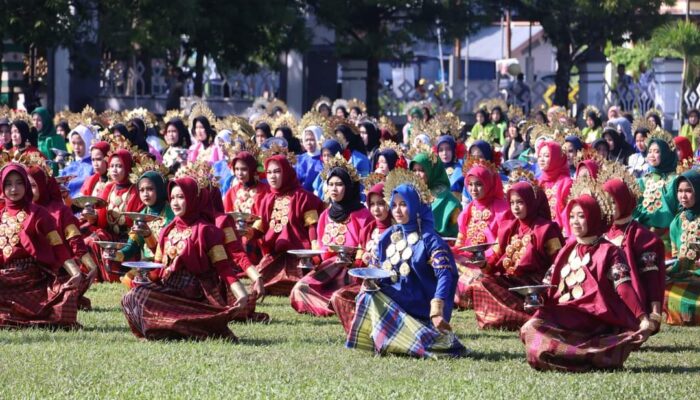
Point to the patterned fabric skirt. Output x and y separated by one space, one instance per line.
181 307
312 294
381 326
682 303
494 305
280 273
31 296
549 347
343 303
467 275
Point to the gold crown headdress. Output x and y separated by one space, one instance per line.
201 172
515 114
444 123
143 114
321 101
340 103
201 110
585 185
641 123
611 170
144 162
661 134
371 180
591 109
490 104
237 126
111 118
21 115
29 159
401 176
274 149
5 112
174 114
338 161
523 175
334 122
387 124
389 145
546 132
274 106
425 149
64 115
240 143
119 142
313 118
288 120
352 103
263 118
653 111
260 104
474 161
685 165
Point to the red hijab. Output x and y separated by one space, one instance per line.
685 149
492 184
101 146
534 199
597 226
624 200
558 164
378 190
49 190
290 181
127 161
250 162
590 165
27 199
194 204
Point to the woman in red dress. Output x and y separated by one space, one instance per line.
192 297
46 193
592 317
343 300
525 250
288 218
121 196
339 225
95 184
33 292
555 181
245 195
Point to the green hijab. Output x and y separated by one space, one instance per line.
47 123
445 202
161 191
693 178
669 158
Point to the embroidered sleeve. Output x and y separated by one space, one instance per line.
649 262
310 217
217 253
552 246
71 231
229 235
619 273
440 259
53 238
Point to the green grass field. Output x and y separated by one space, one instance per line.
298 356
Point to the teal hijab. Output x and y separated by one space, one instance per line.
161 191
669 158
693 178
47 128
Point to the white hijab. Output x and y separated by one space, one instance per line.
86 135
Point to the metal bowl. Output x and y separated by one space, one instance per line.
511 165
110 245
345 253
533 299
525 290
135 216
305 256
477 248
89 201
62 180
370 277
142 268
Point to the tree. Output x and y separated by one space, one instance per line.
683 38
577 25
372 30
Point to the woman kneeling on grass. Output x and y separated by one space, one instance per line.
592 317
410 314
190 299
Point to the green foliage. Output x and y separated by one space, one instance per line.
680 39
43 23
298 356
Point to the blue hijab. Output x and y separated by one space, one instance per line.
420 214
485 148
451 142
333 146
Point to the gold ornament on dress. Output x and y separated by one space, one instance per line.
401 176
334 122
237 126
110 118
585 185
119 142
357 103
515 114
338 161
390 145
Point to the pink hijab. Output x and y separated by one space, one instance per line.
558 165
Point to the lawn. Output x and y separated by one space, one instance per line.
297 356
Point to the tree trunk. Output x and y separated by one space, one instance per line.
683 87
199 74
373 86
563 76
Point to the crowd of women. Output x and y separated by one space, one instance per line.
583 240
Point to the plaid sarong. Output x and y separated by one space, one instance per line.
682 303
548 347
381 326
495 307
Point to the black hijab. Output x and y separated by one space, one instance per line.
340 211
293 143
355 142
372 136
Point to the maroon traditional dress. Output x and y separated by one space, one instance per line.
590 318
67 227
245 197
643 249
343 300
111 224
525 251
192 299
32 289
556 182
288 218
